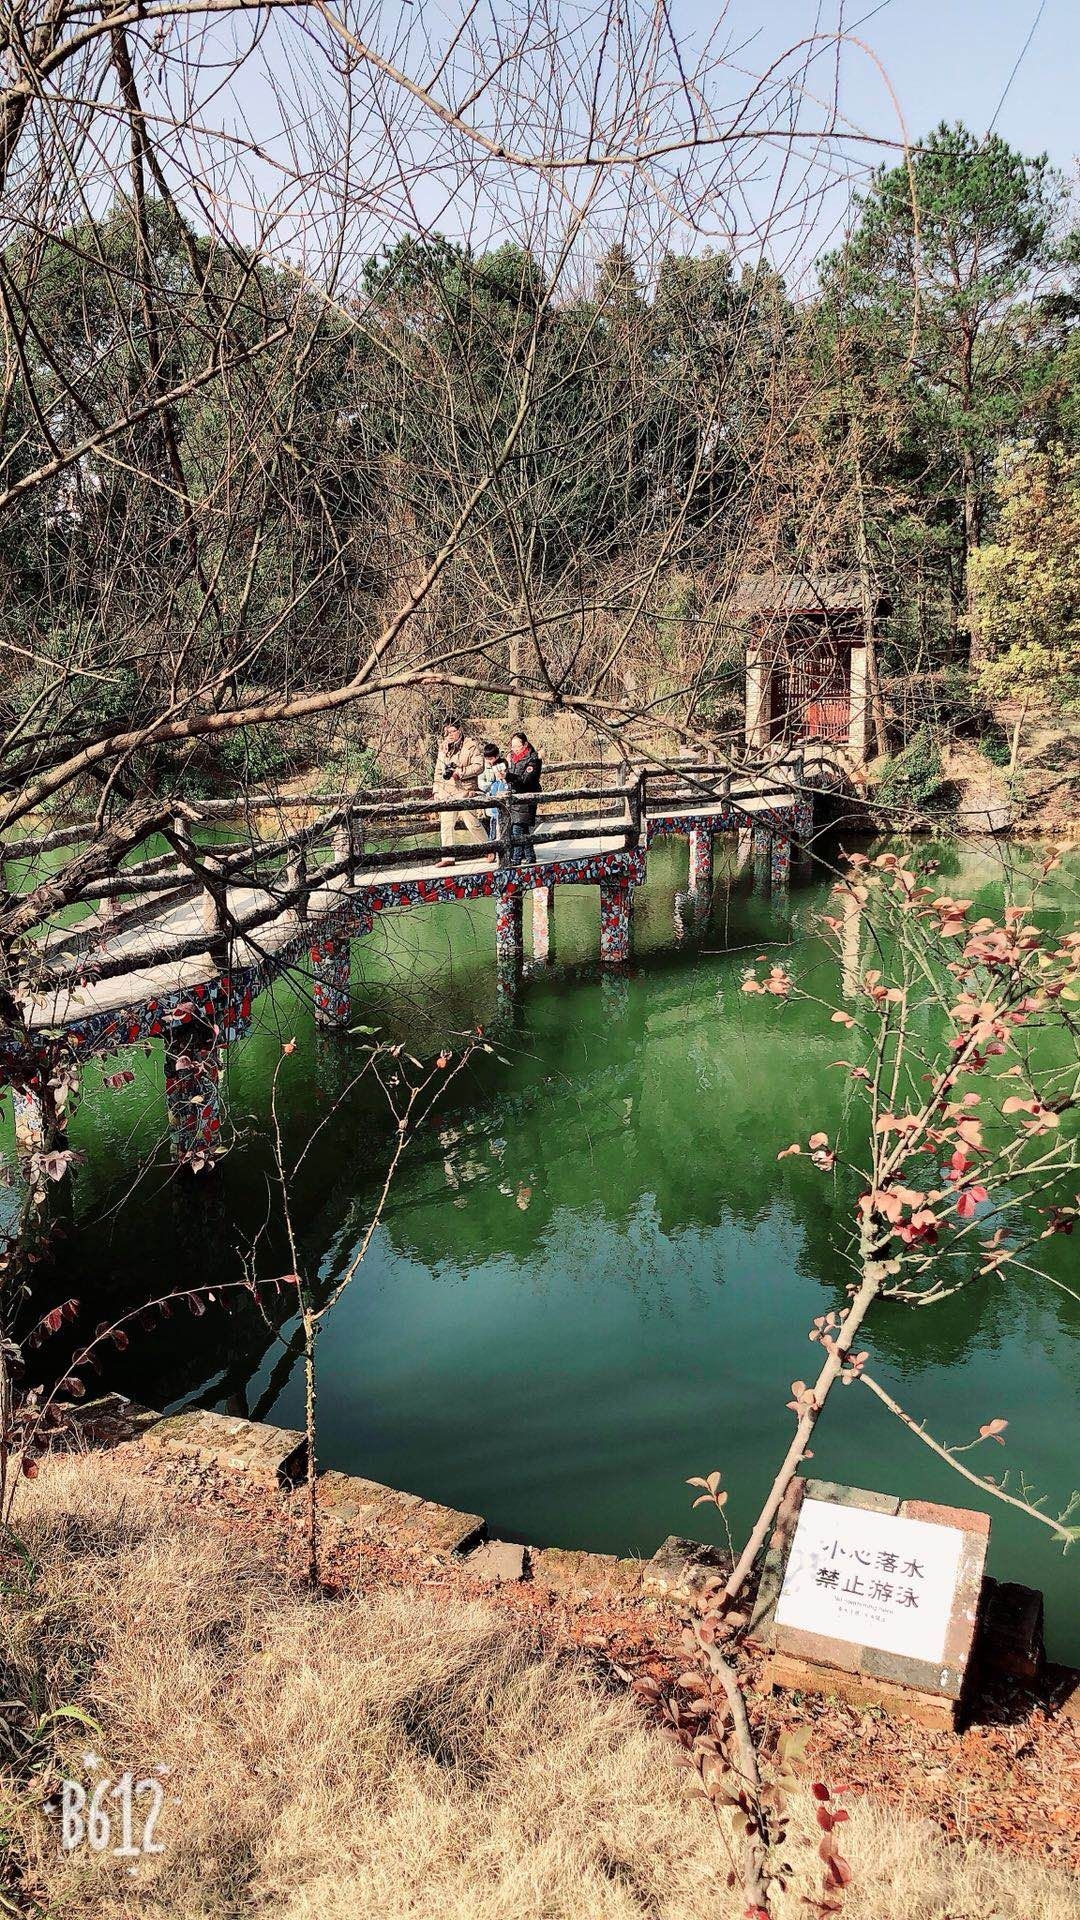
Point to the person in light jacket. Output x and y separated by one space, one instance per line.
458 766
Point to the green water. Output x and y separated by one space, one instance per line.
593 1278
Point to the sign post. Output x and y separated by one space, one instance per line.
873 1598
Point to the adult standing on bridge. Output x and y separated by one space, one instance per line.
523 770
458 766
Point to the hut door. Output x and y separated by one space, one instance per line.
811 692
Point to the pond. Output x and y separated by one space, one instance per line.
592 1277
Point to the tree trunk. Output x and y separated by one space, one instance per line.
1014 754
976 647
830 1371
513 703
873 678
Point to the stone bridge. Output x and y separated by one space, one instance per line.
179 953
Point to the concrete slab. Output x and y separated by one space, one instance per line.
273 1454
403 1519
573 1574
683 1566
497 1561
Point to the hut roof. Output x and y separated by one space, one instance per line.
783 592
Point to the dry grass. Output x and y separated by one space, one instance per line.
368 1759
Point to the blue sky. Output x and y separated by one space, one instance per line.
946 59
941 59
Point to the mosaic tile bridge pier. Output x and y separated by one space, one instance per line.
182 960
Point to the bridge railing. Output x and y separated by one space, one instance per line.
397 833
811 756
391 830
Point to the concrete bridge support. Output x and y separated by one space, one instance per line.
780 862
193 1060
330 980
509 918
701 864
31 1126
40 1115
509 949
615 993
761 844
802 831
40 1127
615 898
772 857
543 923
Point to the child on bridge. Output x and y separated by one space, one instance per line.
492 781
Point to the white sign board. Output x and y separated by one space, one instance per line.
871 1578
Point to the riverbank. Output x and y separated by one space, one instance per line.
421 1737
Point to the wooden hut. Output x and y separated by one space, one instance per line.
806 673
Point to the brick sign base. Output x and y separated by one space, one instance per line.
929 1692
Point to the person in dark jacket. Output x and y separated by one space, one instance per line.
523 770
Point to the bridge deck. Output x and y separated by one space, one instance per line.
154 974
179 923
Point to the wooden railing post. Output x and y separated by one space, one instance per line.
296 877
348 845
635 809
802 818
213 903
213 897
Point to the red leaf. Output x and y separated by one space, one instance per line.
820 1792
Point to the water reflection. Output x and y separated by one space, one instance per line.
593 1278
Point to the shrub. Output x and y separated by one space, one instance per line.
963 710
951 703
913 777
